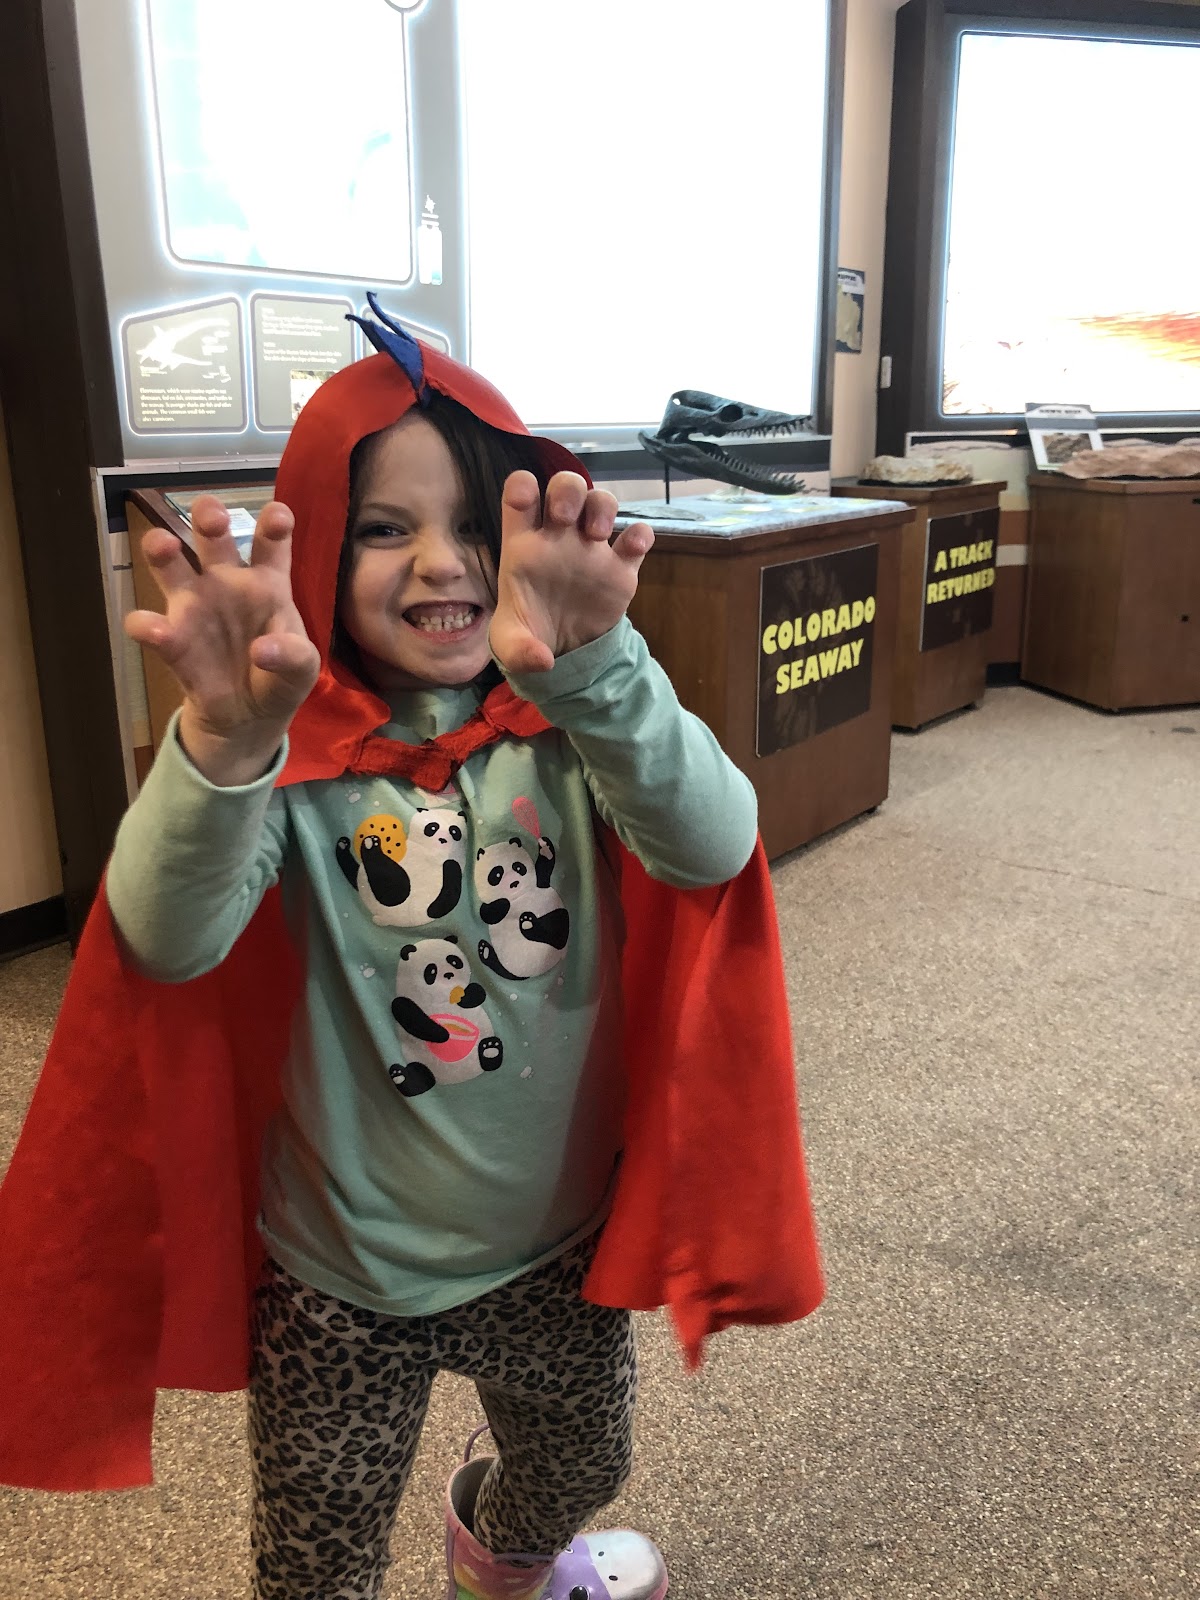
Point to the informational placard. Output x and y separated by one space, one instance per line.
960 576
184 369
851 297
1058 432
297 342
816 643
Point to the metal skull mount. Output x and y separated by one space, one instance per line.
693 423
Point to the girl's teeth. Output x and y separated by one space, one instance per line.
439 623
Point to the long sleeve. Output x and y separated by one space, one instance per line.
191 864
656 773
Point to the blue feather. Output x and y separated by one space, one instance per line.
392 340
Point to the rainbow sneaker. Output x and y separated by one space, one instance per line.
614 1565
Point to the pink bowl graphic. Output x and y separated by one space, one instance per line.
464 1035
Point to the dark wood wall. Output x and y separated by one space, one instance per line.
56 380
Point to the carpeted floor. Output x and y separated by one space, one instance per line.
994 987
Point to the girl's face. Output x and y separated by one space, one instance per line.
417 602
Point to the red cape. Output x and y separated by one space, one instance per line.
128 1245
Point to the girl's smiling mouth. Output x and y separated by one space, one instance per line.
444 621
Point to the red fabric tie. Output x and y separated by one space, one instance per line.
432 765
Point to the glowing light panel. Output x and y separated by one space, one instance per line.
1073 270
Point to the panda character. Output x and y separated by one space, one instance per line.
438 1010
405 880
529 923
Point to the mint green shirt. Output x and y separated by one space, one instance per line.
452 1097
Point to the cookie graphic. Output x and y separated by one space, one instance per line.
388 830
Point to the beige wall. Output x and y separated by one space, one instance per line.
866 135
29 869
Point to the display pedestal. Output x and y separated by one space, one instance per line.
1113 613
707 602
942 638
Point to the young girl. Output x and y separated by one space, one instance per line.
447 1145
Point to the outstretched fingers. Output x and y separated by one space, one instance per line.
285 666
283 651
599 514
566 503
175 575
272 545
165 556
520 504
633 543
149 628
212 533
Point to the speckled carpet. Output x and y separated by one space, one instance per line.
994 985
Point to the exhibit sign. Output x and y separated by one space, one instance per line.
851 298
296 342
815 645
1058 432
960 576
183 369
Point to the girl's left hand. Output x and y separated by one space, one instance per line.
561 582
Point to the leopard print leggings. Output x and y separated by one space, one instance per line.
338 1396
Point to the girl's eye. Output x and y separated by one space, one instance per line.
382 532
471 532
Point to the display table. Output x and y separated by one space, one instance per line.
776 623
1113 610
947 585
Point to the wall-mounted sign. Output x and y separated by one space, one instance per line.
297 342
184 369
815 645
960 575
851 297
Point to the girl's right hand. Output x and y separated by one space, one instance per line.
233 638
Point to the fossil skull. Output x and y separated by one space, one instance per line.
693 423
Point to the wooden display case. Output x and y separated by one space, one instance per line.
1113 610
703 605
943 642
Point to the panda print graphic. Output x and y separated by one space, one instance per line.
407 878
445 1033
411 875
528 923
